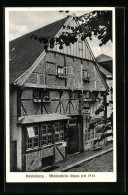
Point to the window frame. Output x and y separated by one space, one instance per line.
43 135
46 135
33 139
61 130
62 70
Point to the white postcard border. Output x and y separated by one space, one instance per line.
57 176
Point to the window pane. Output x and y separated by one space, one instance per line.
29 143
36 130
49 139
56 127
44 140
61 136
44 129
36 142
37 93
49 128
56 137
60 70
62 125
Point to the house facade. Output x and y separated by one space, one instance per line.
105 67
54 96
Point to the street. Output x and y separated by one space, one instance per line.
102 163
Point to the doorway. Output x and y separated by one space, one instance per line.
73 137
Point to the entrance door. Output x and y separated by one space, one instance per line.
73 138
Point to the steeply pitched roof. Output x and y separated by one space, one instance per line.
103 58
24 51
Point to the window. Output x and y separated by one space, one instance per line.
49 139
37 93
46 134
36 131
41 95
57 137
36 142
29 143
56 127
60 70
87 94
33 137
44 131
44 140
85 73
86 76
62 126
44 137
61 136
59 131
49 128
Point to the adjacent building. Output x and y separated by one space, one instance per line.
106 69
54 96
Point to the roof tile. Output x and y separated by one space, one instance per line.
27 50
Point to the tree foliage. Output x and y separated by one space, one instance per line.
95 23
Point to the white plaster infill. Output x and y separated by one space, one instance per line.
85 160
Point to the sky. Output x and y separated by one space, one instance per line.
23 22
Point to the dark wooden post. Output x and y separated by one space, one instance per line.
53 140
66 139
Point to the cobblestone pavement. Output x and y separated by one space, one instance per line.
102 163
80 156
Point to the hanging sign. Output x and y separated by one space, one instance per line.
31 132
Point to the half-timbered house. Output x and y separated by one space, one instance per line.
54 96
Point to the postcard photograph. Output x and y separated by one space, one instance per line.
60 94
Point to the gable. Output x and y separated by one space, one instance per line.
45 74
24 51
27 55
79 49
